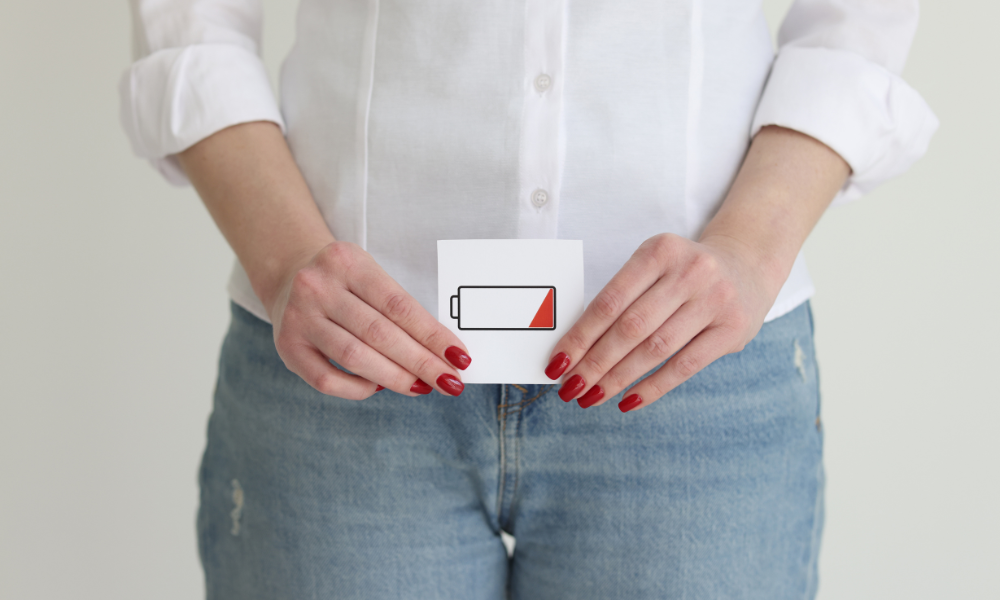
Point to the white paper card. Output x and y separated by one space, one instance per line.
509 301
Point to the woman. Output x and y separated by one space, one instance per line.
345 457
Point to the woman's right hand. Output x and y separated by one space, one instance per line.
343 306
328 300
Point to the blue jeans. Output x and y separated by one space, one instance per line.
714 491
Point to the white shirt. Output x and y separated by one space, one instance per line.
597 120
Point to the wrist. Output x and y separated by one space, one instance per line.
770 264
270 274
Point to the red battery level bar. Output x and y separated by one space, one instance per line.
497 307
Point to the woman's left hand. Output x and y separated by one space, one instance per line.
696 301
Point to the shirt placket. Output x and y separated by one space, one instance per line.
542 138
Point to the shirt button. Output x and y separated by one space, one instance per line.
539 198
543 82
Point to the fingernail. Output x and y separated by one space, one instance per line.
571 388
458 357
450 384
558 366
593 395
421 388
380 388
630 402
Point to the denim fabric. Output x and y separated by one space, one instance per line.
715 491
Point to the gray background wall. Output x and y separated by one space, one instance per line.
112 310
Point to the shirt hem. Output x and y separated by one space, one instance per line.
247 300
789 304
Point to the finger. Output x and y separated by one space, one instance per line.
357 357
388 339
690 319
314 368
639 321
638 274
700 352
385 295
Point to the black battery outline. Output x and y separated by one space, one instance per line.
453 300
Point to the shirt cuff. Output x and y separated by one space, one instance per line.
176 97
864 112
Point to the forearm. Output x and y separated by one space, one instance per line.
253 189
689 303
787 181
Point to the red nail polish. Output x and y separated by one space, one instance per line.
630 402
450 384
592 396
380 388
558 366
458 357
421 388
571 388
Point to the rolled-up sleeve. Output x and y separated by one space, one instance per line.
197 70
837 78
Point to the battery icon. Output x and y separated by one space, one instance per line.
505 307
